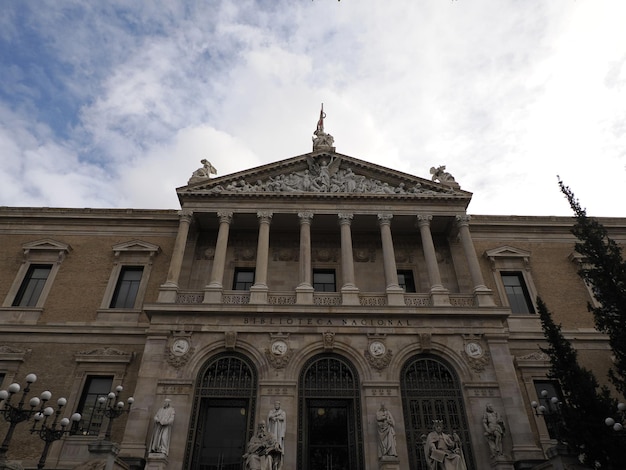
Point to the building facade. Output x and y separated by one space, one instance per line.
322 287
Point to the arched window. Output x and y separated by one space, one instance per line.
223 413
431 391
329 412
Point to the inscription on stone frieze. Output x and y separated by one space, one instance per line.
350 322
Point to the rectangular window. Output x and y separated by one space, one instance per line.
91 419
547 390
127 287
517 293
32 285
405 280
324 280
244 278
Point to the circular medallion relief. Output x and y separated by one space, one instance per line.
180 346
377 348
474 349
279 347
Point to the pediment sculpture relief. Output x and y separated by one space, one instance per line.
323 175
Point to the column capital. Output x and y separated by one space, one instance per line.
384 218
264 216
463 219
186 215
225 216
423 220
345 219
305 217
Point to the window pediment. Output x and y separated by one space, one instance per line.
508 252
47 246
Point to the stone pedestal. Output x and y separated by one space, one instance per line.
502 463
388 463
258 294
156 461
213 294
350 296
439 296
304 294
484 297
167 293
107 451
395 297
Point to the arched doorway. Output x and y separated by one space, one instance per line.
222 414
431 390
329 415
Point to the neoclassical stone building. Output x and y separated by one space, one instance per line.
322 282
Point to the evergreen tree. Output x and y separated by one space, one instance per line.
585 405
605 271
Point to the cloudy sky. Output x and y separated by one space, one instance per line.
114 103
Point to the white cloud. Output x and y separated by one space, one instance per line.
507 97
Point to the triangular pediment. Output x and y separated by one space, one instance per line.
136 246
323 174
507 252
47 244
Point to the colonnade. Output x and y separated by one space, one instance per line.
349 290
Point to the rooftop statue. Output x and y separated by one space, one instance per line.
322 140
203 173
442 176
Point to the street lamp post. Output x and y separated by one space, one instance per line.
620 424
50 432
112 409
550 409
15 414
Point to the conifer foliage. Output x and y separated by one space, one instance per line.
605 271
585 404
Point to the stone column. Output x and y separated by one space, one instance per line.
349 291
395 294
438 293
213 290
258 292
304 291
168 291
482 293
516 417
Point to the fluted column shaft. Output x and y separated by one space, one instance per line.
347 260
263 248
178 253
483 293
305 248
462 222
423 222
389 257
219 260
438 293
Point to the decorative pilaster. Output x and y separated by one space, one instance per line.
483 294
258 292
304 291
438 293
395 294
213 291
168 291
349 291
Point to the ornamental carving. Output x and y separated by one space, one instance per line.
179 349
377 354
329 340
328 174
535 356
102 352
475 352
278 353
324 254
